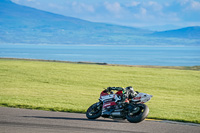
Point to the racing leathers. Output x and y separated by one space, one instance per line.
123 94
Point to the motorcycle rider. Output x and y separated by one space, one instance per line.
127 93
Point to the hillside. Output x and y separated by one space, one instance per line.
28 25
21 24
188 32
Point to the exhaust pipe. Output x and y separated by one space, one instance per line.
116 114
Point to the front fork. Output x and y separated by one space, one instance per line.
99 105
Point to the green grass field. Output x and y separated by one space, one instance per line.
74 87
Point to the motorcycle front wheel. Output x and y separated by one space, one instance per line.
94 111
138 113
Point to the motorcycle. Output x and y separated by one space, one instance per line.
112 106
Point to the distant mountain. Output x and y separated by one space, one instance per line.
21 24
162 27
188 32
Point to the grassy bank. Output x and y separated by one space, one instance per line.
74 87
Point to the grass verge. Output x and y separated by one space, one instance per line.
72 87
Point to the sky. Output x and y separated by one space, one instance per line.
150 14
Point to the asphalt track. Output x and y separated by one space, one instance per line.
13 120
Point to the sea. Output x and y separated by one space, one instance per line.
111 54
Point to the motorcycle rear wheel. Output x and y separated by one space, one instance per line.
140 115
93 111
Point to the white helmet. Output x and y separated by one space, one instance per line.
129 88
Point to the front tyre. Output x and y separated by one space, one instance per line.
94 111
137 113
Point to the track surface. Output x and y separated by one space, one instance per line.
13 120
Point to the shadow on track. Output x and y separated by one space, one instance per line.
82 119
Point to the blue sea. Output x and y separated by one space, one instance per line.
126 55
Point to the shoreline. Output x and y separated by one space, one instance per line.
195 68
105 45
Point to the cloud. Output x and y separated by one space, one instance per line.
113 7
195 5
155 6
189 4
53 5
82 7
143 11
134 3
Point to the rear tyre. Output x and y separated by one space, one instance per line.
137 114
94 111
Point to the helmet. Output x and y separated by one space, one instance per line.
130 92
130 88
